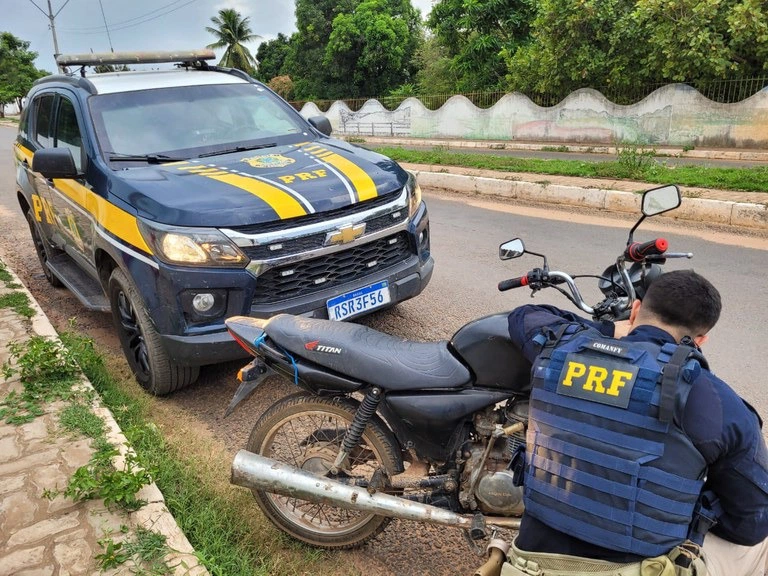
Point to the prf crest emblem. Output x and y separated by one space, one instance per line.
269 161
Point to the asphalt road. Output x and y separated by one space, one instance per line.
465 237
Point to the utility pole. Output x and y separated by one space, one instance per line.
52 24
51 18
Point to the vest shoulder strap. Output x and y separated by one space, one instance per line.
671 377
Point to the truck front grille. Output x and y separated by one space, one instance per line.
291 246
309 276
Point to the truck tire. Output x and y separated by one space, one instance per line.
42 249
149 362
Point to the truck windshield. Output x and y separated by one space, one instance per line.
187 121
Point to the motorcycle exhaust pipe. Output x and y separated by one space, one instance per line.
258 472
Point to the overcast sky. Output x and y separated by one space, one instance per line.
139 24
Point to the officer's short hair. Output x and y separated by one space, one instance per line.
684 299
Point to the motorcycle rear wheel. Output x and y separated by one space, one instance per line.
306 432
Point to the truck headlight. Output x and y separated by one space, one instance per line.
414 194
192 246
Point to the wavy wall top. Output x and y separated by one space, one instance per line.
675 115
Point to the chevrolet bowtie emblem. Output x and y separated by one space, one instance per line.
345 234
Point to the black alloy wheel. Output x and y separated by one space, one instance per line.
42 251
142 345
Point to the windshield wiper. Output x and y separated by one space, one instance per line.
238 149
148 158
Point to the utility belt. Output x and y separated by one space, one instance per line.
683 560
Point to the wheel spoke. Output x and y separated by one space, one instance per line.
311 440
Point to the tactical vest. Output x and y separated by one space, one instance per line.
607 461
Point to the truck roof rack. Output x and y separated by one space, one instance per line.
153 57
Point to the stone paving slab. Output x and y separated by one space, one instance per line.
43 536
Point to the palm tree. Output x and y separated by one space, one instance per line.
233 31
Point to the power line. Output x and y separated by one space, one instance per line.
121 22
52 25
111 49
114 27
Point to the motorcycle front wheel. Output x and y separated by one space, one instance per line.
307 432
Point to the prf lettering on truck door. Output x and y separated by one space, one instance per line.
597 379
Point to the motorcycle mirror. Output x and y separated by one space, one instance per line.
511 249
659 200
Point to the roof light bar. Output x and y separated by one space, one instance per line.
94 59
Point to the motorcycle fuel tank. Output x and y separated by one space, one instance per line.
496 362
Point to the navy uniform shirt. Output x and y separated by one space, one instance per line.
724 428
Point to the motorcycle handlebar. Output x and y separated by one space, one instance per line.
513 283
637 251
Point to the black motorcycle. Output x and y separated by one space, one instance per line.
390 428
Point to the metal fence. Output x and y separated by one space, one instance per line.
723 91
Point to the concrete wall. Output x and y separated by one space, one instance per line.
675 115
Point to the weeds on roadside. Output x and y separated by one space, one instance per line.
5 276
635 160
144 553
100 479
18 302
215 527
47 371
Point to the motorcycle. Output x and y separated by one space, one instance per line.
389 428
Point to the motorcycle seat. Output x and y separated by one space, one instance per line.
368 355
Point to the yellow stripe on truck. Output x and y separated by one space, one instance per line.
116 221
285 205
361 181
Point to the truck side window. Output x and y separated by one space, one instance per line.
43 120
68 132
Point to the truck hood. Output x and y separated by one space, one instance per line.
259 186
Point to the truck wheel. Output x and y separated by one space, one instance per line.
153 369
307 432
41 248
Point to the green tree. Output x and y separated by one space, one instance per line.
435 73
576 43
625 43
233 31
17 70
314 23
371 49
476 33
271 57
104 68
703 39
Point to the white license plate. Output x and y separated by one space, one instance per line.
358 301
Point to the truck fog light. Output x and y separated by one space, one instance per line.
203 302
203 305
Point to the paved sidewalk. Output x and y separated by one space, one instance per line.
46 537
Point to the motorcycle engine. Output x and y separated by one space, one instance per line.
495 491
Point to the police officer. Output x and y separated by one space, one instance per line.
635 450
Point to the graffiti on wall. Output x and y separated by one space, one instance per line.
675 115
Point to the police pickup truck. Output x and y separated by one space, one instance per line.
176 198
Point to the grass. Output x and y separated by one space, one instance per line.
631 163
17 301
5 276
221 522
79 417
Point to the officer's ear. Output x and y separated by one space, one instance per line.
633 313
700 340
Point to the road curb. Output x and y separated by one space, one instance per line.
154 515
729 213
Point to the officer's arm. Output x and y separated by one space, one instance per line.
526 322
727 432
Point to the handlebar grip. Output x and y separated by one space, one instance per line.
513 283
638 251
